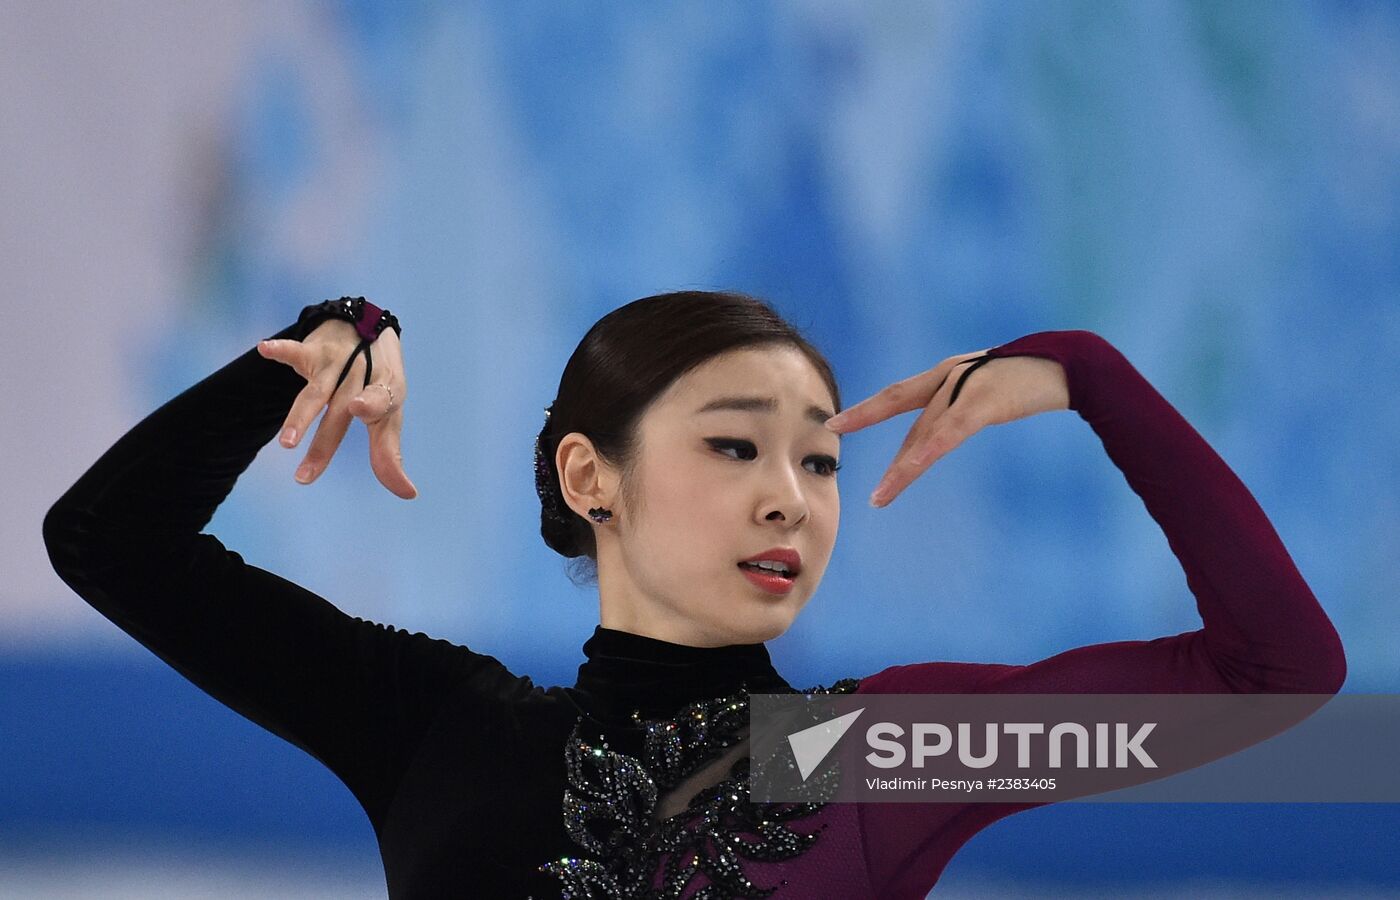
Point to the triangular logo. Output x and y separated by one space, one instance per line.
811 745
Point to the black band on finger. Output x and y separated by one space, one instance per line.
980 360
363 345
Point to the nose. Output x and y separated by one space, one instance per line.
785 500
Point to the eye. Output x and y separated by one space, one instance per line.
723 444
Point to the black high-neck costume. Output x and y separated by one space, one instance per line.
463 766
625 672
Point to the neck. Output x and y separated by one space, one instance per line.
667 629
621 607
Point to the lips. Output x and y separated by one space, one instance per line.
786 555
771 582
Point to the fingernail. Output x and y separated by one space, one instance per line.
289 436
878 495
834 422
303 473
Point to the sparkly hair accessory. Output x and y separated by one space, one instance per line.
549 498
546 486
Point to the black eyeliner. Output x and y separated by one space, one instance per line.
739 443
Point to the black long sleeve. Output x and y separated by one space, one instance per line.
356 695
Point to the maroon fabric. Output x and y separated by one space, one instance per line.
1263 628
368 323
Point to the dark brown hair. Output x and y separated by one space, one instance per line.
625 361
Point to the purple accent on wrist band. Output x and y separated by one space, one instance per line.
368 323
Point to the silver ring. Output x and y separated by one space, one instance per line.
387 388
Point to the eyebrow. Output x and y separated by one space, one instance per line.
761 405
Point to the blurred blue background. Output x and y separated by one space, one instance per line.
1214 187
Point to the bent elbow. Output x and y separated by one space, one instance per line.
1319 669
1325 662
73 542
1331 669
60 538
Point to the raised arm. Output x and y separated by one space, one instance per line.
356 695
1263 630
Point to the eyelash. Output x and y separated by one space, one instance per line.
735 444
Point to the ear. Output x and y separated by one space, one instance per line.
585 480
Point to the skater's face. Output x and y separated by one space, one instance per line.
732 462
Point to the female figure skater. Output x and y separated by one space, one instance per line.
691 454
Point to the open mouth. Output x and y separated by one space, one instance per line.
779 573
769 580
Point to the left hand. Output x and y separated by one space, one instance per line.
319 358
1002 389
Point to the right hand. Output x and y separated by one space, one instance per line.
319 359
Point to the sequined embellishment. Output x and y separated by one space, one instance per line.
610 803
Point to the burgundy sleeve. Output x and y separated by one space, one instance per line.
1263 630
356 695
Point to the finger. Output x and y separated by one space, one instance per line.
308 404
334 425
376 401
380 405
910 466
387 354
914 463
316 396
312 398
904 469
937 432
386 457
292 353
389 389
388 348
912 393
